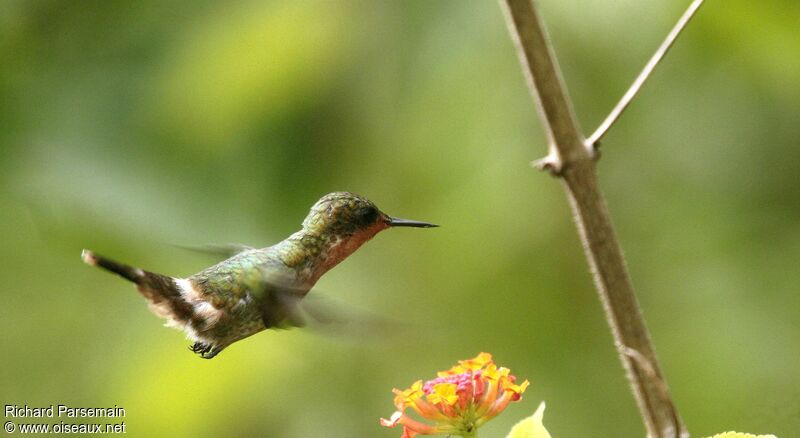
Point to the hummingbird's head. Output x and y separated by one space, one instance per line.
343 222
348 216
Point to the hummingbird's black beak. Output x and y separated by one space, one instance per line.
397 222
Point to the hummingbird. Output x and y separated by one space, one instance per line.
258 289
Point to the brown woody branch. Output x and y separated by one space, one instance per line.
572 159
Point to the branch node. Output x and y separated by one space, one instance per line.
640 360
661 386
593 149
551 164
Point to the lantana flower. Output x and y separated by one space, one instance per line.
458 401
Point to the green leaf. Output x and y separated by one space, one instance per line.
530 427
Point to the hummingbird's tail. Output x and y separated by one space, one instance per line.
161 291
127 272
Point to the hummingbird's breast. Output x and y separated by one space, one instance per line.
311 254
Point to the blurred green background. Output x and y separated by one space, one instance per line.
126 127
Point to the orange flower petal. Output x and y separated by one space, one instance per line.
488 398
517 390
477 362
429 411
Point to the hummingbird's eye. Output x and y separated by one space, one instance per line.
367 215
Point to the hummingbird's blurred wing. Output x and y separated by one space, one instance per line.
223 252
333 317
309 310
285 306
279 298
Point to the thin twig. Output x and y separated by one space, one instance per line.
574 163
612 117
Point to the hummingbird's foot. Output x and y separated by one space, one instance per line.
206 351
200 347
210 354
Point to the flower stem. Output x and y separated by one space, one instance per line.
471 434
